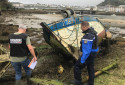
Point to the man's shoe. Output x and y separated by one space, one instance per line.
28 80
73 82
18 82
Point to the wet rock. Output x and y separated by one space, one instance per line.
39 42
117 32
34 32
114 29
35 39
115 36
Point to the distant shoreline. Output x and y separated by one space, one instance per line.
109 13
107 22
46 11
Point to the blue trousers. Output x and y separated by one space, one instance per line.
18 65
90 67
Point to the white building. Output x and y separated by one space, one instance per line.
95 8
122 8
101 8
87 8
110 8
17 5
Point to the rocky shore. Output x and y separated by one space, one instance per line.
113 23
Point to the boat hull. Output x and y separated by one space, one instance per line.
65 35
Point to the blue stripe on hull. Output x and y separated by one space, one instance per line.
70 22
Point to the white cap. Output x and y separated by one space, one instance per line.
22 26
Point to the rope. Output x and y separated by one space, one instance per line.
77 40
67 29
76 30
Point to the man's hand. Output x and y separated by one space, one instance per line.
34 58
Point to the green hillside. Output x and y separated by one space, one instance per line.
112 2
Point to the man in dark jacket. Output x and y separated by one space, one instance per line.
89 49
20 47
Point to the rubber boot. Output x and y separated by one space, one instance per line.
28 80
18 82
73 82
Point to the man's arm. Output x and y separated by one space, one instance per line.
32 51
9 46
30 48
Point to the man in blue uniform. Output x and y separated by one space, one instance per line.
89 49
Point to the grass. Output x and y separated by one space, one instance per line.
107 79
46 82
114 76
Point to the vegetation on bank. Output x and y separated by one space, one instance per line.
112 2
5 5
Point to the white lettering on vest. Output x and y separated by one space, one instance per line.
16 41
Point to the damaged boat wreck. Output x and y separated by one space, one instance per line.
65 35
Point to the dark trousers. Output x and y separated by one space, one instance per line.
90 67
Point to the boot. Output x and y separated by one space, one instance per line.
28 80
73 82
18 82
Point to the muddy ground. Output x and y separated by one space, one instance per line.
49 60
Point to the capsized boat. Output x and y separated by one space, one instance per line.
65 35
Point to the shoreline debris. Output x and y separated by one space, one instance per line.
103 70
4 58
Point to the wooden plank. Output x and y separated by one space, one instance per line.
3 49
4 58
103 70
4 54
2 72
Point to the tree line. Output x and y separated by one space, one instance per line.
112 2
5 5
